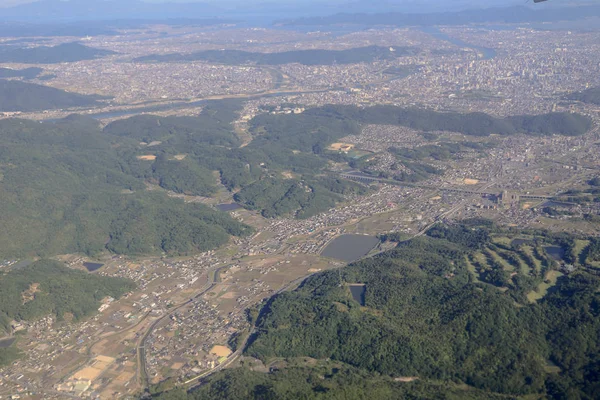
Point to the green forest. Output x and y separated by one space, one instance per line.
49 288
26 97
591 96
324 381
303 199
305 57
334 122
428 315
70 187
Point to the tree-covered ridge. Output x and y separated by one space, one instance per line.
426 315
26 97
48 287
320 382
66 52
306 57
300 198
332 122
591 96
70 187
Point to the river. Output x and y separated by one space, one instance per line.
485 52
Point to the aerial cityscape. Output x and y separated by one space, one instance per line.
378 204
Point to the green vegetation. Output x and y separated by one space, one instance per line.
25 97
48 287
322 381
276 197
67 52
9 354
441 152
315 129
426 316
591 95
306 57
71 187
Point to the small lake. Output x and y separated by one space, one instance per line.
350 247
358 293
228 207
91 267
6 343
520 242
558 253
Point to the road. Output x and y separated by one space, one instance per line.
143 378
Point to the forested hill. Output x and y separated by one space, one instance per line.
591 96
70 187
49 288
67 52
333 119
306 57
26 97
426 315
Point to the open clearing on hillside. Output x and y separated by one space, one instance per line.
543 287
341 146
148 157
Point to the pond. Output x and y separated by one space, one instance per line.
519 242
91 267
558 253
6 343
228 207
350 247
358 293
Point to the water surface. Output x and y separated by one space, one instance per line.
350 247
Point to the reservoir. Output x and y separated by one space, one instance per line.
519 242
358 293
350 247
487 53
6 343
91 267
228 207
555 252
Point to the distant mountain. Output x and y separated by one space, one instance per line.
24 97
517 14
68 52
77 10
111 27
